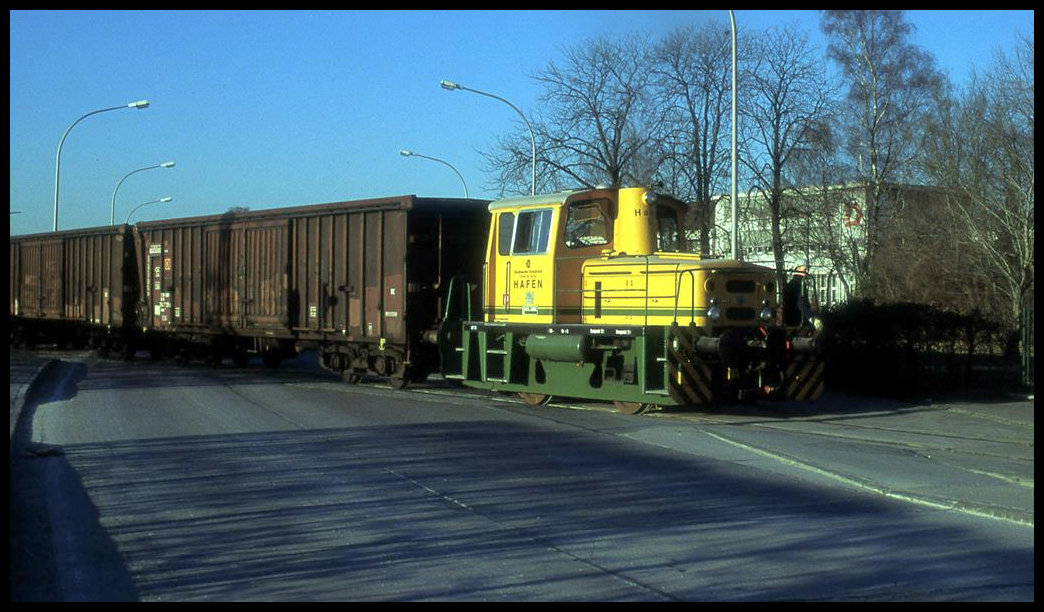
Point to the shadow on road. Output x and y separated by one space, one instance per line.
44 487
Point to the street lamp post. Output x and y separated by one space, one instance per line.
112 215
166 199
58 156
735 189
408 153
450 85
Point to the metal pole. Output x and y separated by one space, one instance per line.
735 190
112 215
408 153
166 199
58 156
450 85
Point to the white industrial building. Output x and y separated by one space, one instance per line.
821 226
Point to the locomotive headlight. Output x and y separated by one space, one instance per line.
650 197
766 312
714 313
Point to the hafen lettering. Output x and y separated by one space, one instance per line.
528 283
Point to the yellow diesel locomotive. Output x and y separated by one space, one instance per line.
594 295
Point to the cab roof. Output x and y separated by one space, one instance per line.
546 199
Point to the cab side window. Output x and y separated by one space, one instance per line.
586 225
505 230
532 231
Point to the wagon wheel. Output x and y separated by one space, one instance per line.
632 407
399 372
535 399
271 359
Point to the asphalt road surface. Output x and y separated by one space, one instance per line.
146 481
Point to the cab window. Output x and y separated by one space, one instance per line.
505 230
586 225
532 230
668 229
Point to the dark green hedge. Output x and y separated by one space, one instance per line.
908 349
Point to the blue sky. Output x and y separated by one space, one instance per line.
268 109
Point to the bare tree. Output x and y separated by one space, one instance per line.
600 120
692 79
982 148
890 81
786 99
925 260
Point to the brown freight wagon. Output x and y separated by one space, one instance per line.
361 282
75 288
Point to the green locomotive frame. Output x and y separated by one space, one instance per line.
634 367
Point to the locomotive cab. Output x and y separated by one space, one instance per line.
539 245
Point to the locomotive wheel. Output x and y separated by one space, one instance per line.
397 382
632 407
535 399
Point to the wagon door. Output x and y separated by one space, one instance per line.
326 273
50 280
393 290
222 275
373 272
375 275
32 300
347 274
261 276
